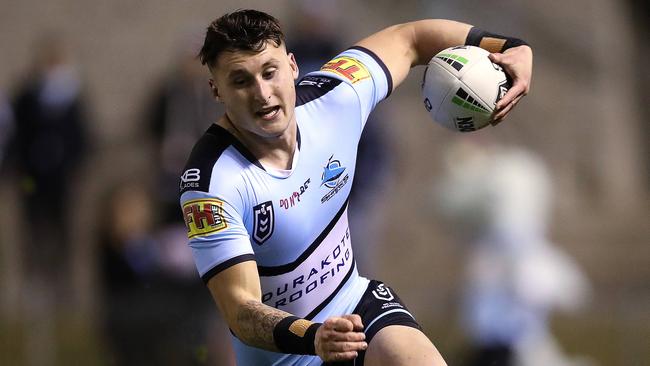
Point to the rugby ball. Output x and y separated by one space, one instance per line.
461 87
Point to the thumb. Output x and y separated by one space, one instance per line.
495 57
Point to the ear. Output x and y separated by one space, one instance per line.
294 66
215 90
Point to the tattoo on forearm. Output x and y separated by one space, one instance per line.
256 322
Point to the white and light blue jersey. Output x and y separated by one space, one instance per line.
294 226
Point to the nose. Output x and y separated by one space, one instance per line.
262 92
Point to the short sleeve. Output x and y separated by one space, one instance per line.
362 69
216 232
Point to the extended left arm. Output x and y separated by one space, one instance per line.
403 46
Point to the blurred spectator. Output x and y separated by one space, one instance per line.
48 147
156 311
183 108
498 198
314 39
6 125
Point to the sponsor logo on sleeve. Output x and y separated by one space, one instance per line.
263 222
203 217
347 67
190 179
316 81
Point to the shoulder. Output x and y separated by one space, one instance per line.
355 77
312 87
359 67
212 150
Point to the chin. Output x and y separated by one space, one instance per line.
274 128
275 131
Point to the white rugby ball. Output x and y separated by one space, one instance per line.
461 87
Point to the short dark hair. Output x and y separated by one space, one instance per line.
242 30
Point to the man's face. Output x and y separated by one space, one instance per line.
257 89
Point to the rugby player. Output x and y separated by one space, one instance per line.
265 190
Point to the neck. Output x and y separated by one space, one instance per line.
274 152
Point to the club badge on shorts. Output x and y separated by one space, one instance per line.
382 292
263 222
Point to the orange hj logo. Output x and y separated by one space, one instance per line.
347 67
203 216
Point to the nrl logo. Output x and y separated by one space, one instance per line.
263 222
382 293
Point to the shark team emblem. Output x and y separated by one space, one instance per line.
263 221
331 173
334 178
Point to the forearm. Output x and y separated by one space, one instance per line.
430 36
237 293
403 46
255 324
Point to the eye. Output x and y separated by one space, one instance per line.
269 73
239 82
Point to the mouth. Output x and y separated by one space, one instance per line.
269 113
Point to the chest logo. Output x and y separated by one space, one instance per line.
334 178
331 173
294 199
263 222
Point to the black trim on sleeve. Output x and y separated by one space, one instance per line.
381 63
225 265
204 155
312 87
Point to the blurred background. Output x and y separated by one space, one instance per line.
525 244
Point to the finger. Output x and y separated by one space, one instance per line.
340 356
495 57
335 323
515 92
504 112
347 346
507 109
343 347
344 336
342 325
498 118
356 321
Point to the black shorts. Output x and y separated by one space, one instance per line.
379 307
